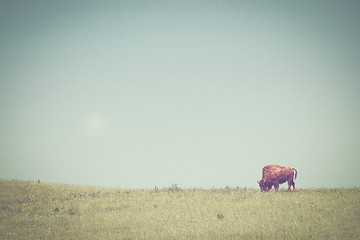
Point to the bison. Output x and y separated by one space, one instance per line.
275 175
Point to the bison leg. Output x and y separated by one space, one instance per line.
293 184
289 184
276 186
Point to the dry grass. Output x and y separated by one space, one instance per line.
48 211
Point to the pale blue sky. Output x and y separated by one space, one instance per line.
139 94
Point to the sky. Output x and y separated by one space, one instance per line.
202 94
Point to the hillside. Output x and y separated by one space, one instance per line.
30 210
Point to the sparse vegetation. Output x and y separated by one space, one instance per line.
48 211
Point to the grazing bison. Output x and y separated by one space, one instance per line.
275 175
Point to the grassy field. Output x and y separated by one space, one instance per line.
30 210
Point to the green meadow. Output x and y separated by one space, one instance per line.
29 210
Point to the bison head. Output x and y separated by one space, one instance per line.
261 184
264 186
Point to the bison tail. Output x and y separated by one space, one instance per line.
295 172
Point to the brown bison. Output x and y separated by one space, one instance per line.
275 175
